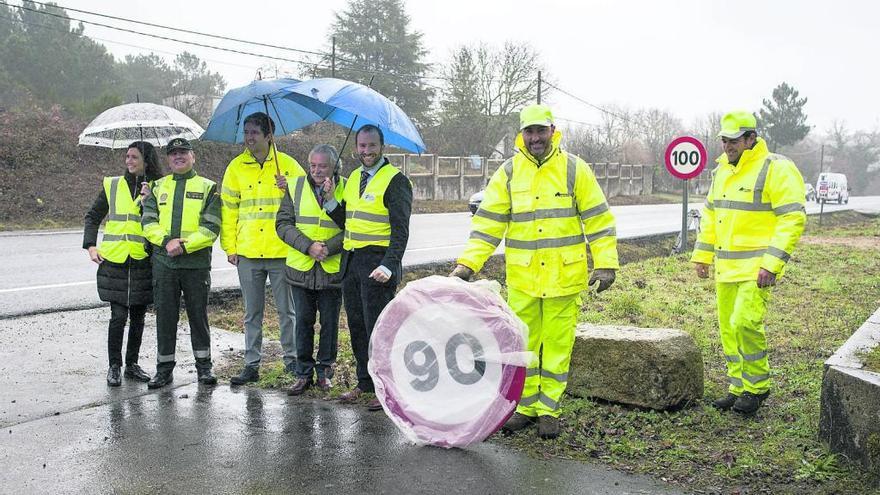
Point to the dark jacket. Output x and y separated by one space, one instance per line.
398 200
285 226
128 283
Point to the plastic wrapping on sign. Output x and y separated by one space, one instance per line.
448 358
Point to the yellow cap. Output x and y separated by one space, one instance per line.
535 115
737 123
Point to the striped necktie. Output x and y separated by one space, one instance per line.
364 178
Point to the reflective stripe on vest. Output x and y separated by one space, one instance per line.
367 222
123 235
315 224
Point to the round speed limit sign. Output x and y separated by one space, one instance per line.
686 157
447 359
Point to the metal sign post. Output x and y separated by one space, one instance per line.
685 158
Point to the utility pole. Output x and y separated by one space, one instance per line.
822 201
539 87
333 59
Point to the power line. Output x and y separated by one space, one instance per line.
315 65
597 107
166 38
209 35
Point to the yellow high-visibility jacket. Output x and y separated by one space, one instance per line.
250 200
753 216
123 234
546 215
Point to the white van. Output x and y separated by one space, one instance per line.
832 187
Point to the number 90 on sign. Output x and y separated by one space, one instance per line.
440 370
685 157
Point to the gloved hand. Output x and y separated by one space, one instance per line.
462 272
604 276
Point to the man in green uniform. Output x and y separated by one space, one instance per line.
182 219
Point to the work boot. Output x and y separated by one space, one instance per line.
113 378
161 379
206 377
248 375
548 427
300 386
290 368
518 422
748 402
135 372
726 402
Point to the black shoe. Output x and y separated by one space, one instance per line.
518 422
247 375
548 427
135 372
300 386
206 377
748 402
725 402
113 378
161 379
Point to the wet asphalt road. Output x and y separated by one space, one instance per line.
65 431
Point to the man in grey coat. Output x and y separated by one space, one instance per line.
312 271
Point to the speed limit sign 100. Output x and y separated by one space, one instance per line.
686 157
441 359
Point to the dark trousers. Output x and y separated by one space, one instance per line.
307 302
364 301
168 283
119 313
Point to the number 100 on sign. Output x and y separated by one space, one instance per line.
685 157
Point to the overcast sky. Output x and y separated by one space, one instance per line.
689 57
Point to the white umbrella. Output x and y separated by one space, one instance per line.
117 127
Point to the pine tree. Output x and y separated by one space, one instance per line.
782 120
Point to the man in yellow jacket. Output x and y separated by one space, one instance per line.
753 217
253 185
547 206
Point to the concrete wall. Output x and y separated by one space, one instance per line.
457 178
849 417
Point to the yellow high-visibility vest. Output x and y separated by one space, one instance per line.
315 224
197 191
123 235
366 217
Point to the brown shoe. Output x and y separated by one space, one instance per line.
518 422
300 386
374 405
324 384
351 396
548 427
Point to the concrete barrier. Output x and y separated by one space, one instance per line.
849 417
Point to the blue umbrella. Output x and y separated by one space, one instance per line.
227 122
353 105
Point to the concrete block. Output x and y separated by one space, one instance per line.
655 368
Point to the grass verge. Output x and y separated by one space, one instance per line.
832 285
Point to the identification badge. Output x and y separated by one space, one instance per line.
195 195
163 198
369 197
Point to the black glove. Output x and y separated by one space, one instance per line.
604 276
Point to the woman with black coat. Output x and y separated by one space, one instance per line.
123 257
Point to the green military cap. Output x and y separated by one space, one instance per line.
178 144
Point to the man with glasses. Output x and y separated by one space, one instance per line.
753 217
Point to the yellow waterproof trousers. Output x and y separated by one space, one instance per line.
551 323
741 308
